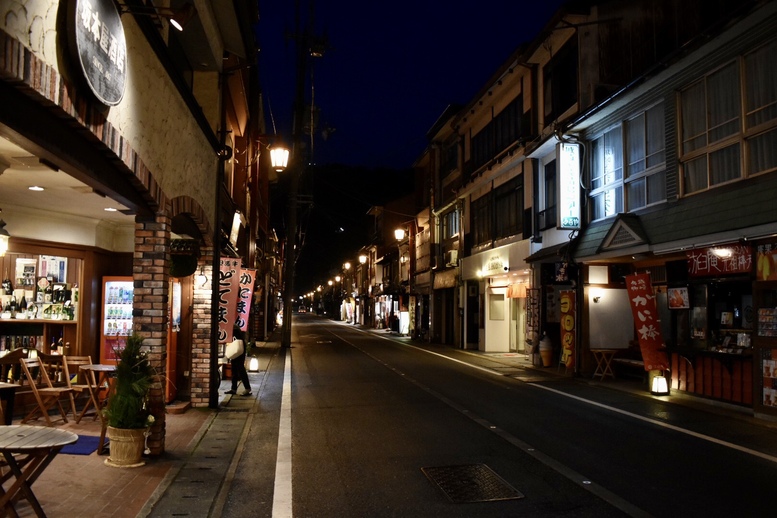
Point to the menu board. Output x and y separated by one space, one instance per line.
767 322
769 370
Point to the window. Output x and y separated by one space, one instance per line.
506 128
508 201
481 220
729 122
450 225
498 214
546 218
450 156
645 158
560 82
607 175
761 108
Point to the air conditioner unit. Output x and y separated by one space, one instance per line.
451 257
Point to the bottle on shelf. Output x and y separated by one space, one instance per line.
7 286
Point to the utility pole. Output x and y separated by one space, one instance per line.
298 163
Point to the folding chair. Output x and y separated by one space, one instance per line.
46 395
76 380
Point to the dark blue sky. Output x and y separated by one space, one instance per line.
391 68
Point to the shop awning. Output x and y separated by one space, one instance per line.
549 253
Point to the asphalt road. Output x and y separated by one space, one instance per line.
370 415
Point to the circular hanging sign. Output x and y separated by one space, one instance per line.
96 38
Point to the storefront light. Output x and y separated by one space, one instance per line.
253 364
659 386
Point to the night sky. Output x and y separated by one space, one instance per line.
391 68
389 71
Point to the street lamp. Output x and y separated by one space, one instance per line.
279 157
399 234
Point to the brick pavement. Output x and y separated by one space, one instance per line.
82 485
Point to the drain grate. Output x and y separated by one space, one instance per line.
471 483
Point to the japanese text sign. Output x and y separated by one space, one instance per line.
245 291
646 321
229 276
704 262
567 306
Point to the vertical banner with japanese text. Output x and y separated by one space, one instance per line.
244 294
567 307
229 271
645 313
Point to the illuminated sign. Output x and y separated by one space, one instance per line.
495 265
569 186
96 42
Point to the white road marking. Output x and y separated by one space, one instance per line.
282 502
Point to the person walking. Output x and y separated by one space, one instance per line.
239 373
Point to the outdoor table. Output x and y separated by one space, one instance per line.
28 450
103 378
603 359
7 394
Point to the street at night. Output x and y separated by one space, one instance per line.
369 410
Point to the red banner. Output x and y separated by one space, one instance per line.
567 307
643 308
244 294
229 270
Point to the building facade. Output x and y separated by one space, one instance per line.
108 107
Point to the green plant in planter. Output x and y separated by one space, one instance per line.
127 406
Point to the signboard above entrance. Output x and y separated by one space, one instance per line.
96 43
720 260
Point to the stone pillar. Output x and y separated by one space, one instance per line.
151 275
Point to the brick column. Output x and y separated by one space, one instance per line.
201 327
151 275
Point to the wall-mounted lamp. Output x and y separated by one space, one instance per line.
279 157
399 234
4 237
362 259
347 266
178 18
596 295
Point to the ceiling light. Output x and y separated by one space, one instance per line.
36 188
110 209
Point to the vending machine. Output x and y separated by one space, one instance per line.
116 322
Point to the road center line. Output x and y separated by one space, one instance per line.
282 495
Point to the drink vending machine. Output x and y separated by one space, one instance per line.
116 322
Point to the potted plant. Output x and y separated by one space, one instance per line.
127 414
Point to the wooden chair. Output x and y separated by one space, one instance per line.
10 367
77 382
46 395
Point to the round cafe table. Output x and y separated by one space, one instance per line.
28 450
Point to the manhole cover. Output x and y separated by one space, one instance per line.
471 483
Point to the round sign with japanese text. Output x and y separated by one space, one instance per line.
96 40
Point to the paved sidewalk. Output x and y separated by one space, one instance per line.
83 485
